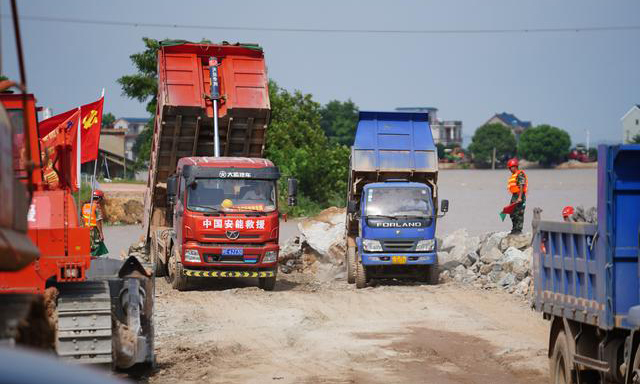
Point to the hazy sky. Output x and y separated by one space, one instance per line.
574 80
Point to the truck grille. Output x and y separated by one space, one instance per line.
235 259
398 245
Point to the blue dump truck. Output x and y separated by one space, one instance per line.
392 199
586 280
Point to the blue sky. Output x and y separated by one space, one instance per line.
573 80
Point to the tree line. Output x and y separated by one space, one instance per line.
310 141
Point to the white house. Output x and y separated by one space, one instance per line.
132 126
631 124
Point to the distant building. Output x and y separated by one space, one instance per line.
133 126
510 121
631 124
444 131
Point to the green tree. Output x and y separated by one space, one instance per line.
338 121
108 119
297 144
143 86
488 137
440 147
545 144
635 139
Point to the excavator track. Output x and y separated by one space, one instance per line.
84 323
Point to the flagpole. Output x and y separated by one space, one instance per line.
78 159
95 168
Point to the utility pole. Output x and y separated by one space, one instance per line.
588 139
493 159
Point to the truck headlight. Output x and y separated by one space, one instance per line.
426 245
270 257
371 245
192 255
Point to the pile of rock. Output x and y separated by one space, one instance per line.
495 260
321 239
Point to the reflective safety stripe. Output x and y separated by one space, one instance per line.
234 274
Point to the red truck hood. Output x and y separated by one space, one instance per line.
231 228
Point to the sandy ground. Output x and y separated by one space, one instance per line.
318 329
308 331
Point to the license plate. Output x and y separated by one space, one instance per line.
232 252
399 259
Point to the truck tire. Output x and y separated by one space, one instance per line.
176 272
351 264
361 275
431 274
560 361
159 268
268 283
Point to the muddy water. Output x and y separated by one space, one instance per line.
476 197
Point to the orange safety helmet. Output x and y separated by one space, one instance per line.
98 194
512 163
567 211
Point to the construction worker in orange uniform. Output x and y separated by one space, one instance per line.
92 216
517 186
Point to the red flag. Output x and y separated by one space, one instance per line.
90 136
91 118
59 154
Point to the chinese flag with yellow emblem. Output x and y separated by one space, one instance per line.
90 123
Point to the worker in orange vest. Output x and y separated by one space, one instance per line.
92 216
517 186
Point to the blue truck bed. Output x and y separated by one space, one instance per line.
394 142
590 273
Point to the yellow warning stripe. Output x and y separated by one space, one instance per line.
191 273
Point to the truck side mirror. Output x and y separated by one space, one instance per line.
444 206
292 191
352 206
172 188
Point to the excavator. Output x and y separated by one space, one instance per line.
53 294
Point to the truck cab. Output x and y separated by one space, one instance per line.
225 216
398 225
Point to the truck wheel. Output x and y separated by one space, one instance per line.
431 274
635 371
268 283
158 265
560 363
361 275
351 264
176 273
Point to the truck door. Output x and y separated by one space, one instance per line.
178 211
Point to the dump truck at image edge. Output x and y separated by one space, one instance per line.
586 280
211 204
392 199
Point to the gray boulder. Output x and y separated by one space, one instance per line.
491 255
507 280
515 261
516 241
471 259
454 239
492 242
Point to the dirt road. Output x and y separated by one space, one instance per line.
310 331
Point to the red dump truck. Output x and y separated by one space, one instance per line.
211 204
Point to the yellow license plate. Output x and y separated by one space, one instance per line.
399 259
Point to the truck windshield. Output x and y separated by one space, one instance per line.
232 195
397 202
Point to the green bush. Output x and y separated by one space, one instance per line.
488 137
545 144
